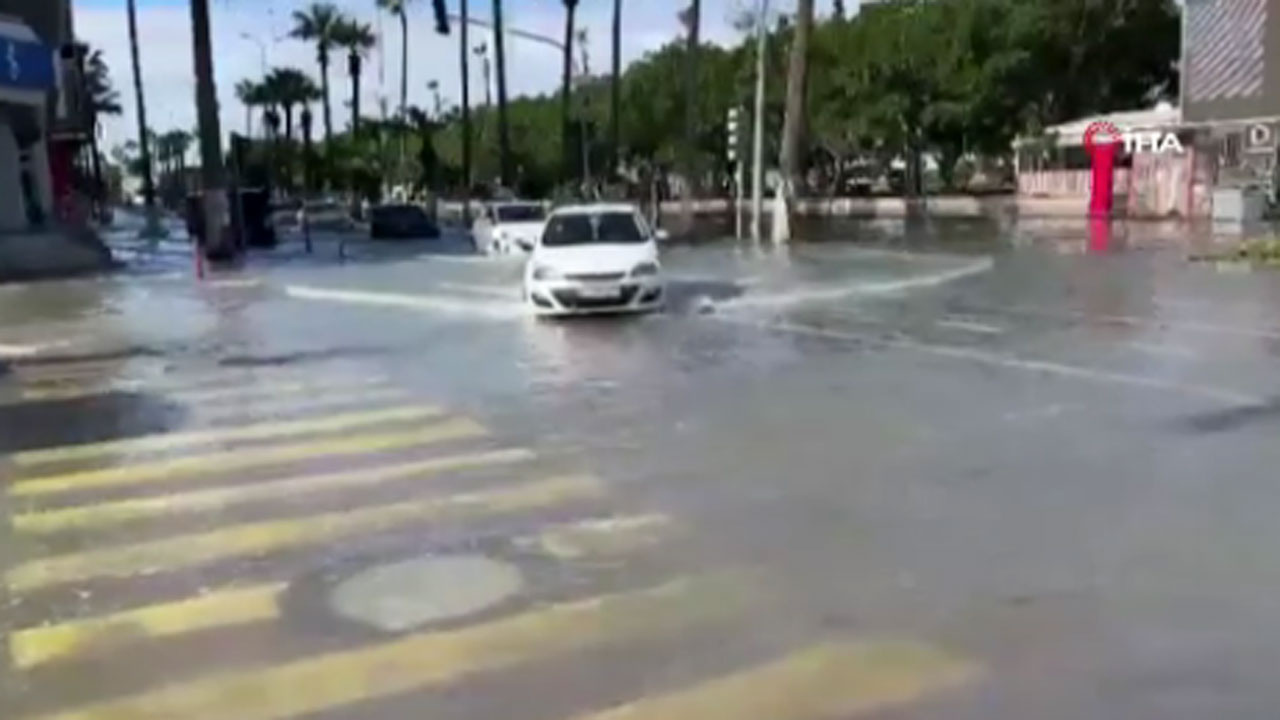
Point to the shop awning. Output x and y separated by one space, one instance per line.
28 68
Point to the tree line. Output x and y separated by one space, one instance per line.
955 80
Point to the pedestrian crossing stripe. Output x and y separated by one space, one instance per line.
243 459
823 681
36 646
240 605
432 659
260 408
260 538
236 392
244 433
601 538
106 514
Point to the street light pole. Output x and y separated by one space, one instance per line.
757 130
262 50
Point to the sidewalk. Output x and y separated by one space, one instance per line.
46 254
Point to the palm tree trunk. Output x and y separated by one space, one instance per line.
144 147
570 166
464 52
793 124
615 92
504 130
211 169
404 63
353 65
404 88
691 108
324 91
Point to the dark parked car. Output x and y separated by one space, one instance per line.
401 221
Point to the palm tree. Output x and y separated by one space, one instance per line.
102 100
615 91
212 171
399 8
358 39
318 24
148 183
570 9
693 18
793 124
290 88
249 93
504 127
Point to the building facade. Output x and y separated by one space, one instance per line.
43 118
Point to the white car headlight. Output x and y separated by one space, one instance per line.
645 269
545 272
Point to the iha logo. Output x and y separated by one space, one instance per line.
1106 134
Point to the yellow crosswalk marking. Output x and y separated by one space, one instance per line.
243 459
36 646
604 537
275 535
262 431
825 681
426 660
271 407
236 606
112 513
241 389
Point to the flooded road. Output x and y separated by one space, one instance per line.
958 472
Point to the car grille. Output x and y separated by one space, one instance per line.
596 277
571 300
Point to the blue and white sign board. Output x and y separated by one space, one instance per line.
28 68
26 65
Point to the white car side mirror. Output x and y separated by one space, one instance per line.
661 235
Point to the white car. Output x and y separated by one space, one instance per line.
507 227
324 215
592 259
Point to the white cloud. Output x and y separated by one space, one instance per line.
165 46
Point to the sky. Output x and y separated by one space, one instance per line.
250 34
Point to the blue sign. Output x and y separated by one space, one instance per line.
26 65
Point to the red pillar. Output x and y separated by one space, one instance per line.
1102 189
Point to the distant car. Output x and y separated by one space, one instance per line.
284 213
401 221
595 258
324 215
508 227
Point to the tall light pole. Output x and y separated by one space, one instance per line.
262 50
757 131
482 52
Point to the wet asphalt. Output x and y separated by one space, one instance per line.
1045 450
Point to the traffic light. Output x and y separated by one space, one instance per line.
731 124
442 18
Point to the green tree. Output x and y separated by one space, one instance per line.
289 89
399 10
358 39
102 100
321 23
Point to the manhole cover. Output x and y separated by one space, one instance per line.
406 594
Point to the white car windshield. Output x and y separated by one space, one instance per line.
610 228
519 213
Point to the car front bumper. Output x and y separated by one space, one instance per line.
574 297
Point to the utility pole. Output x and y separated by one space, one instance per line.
757 131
